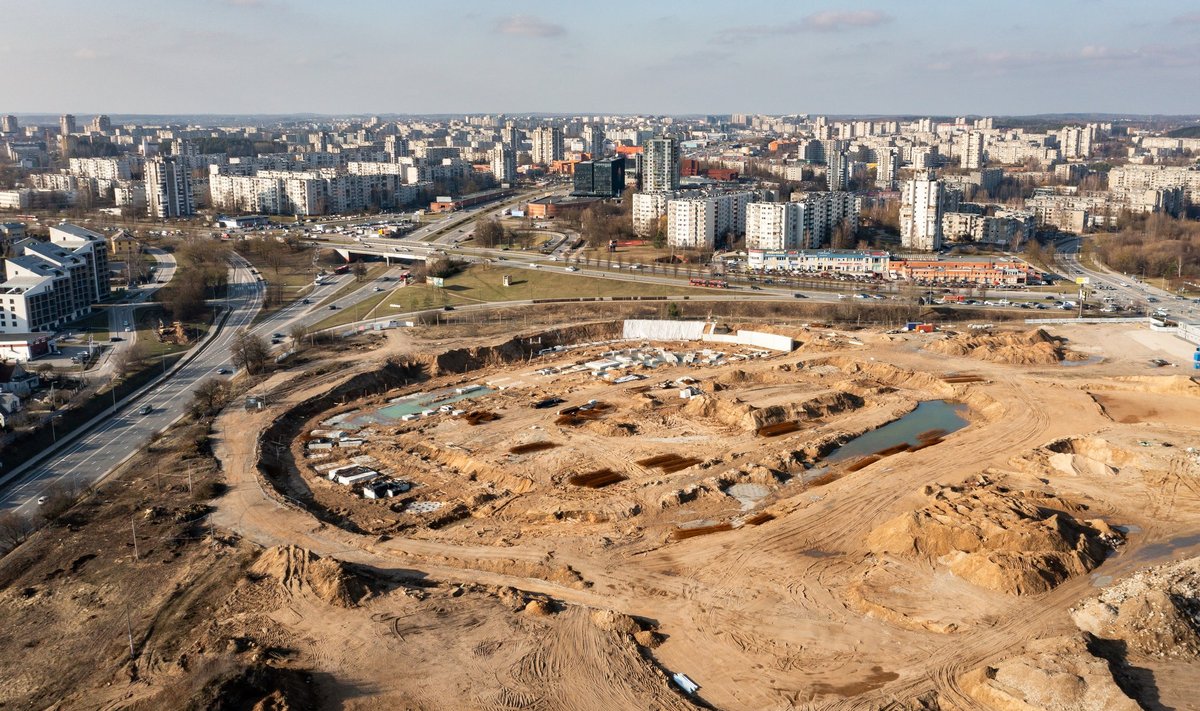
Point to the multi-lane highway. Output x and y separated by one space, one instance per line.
1122 289
93 455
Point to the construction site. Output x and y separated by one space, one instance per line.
683 514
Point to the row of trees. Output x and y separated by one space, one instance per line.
201 273
1155 245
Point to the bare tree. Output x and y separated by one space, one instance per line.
128 359
208 399
298 333
250 351
14 528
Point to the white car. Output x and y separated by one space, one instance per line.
572 269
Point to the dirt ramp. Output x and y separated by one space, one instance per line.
1019 543
299 570
1155 612
1057 674
1161 384
1035 347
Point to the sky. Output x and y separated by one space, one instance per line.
349 57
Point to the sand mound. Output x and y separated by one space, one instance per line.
739 414
1155 612
298 569
1017 543
1034 347
615 622
1088 456
1052 675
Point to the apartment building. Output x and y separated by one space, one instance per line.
48 284
169 188
547 145
312 192
593 140
922 203
647 209
970 150
699 222
504 163
1008 231
660 165
887 168
1155 177
100 168
692 223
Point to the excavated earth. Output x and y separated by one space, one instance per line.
579 555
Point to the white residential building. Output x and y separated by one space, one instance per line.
547 144
48 284
692 223
169 188
100 168
773 225
887 167
970 150
922 203
699 221
647 209
504 163
593 140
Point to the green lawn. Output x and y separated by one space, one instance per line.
95 322
484 284
147 331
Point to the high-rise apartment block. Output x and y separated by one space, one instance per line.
970 150
837 170
547 145
922 203
66 124
9 124
660 165
593 140
169 188
504 163
887 167
100 124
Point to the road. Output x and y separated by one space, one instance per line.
92 456
1124 290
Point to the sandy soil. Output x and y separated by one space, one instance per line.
946 576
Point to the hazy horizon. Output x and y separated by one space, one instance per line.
361 57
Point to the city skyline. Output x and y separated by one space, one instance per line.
294 57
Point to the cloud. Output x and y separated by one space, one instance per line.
828 21
87 53
1191 18
835 20
528 26
1089 56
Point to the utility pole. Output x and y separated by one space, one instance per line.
133 528
129 632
